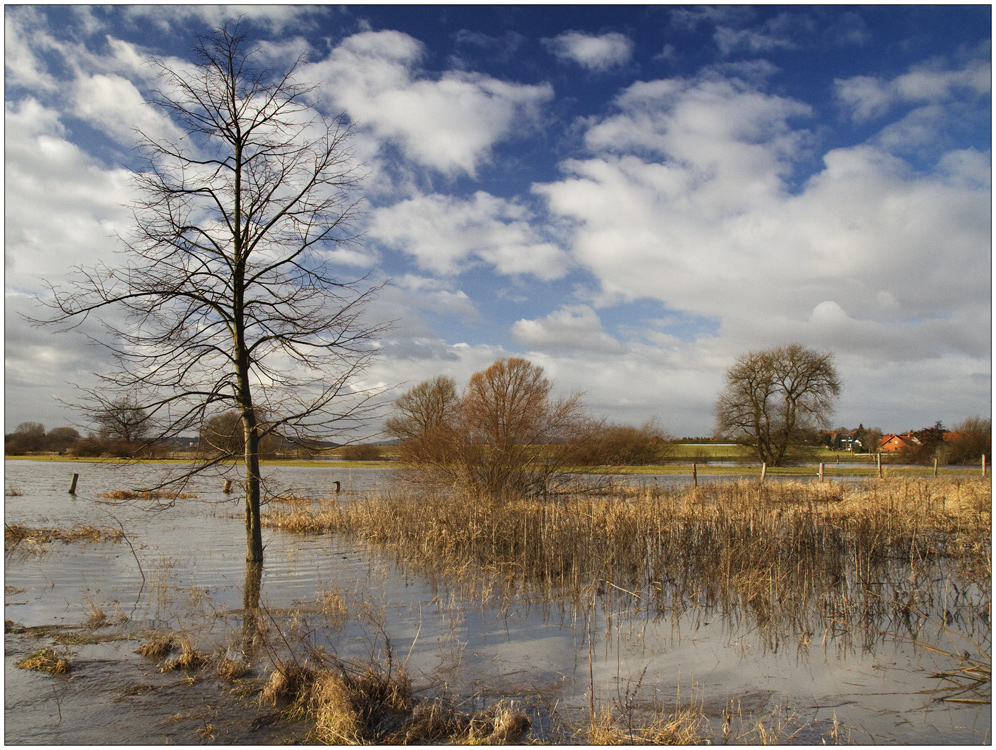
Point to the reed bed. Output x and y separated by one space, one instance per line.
789 557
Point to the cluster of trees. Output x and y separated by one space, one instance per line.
30 437
967 443
123 430
860 440
506 434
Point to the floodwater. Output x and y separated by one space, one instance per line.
182 569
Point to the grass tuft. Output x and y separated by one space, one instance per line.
46 660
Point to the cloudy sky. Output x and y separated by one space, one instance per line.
630 197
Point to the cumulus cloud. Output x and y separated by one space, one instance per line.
447 235
448 122
47 176
596 53
684 200
870 97
571 328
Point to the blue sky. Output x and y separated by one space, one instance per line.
630 196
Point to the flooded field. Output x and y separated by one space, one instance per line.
807 674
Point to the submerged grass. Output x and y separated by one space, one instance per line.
15 533
799 557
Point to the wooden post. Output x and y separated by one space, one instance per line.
72 484
935 468
878 459
821 471
227 489
695 475
764 470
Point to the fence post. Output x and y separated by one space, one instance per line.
821 471
72 484
935 468
764 470
878 459
695 475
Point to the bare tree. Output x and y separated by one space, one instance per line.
522 436
505 435
774 398
225 299
426 423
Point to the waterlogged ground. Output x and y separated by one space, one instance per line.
182 569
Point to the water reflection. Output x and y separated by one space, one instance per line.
652 635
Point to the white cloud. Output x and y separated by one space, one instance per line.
685 201
571 328
448 122
46 176
447 235
870 97
597 53
114 105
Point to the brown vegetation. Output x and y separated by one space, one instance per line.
46 660
15 533
147 495
809 556
376 705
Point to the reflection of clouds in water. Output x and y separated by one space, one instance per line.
532 651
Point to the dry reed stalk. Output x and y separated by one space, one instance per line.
230 669
784 552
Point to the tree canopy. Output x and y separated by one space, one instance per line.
774 399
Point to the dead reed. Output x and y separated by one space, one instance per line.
15 533
790 554
188 658
46 660
378 706
158 646
147 495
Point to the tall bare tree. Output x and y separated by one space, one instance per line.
225 299
774 397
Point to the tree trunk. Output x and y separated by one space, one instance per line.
254 534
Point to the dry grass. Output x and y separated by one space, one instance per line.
15 534
188 658
794 554
46 660
377 706
158 646
307 518
230 668
147 495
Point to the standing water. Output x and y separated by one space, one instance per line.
181 569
